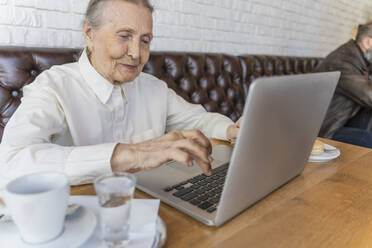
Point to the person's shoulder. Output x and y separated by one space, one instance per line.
54 77
61 71
348 49
150 80
345 56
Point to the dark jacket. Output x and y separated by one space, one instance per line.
354 90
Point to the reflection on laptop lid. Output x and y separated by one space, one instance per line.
281 119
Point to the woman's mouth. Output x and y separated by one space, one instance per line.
130 67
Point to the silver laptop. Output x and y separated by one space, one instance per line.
281 120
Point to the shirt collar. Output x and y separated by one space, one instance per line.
101 86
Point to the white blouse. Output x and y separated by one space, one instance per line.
71 118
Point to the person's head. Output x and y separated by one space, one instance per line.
118 35
364 40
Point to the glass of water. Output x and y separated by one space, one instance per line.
115 192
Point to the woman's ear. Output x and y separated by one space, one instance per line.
88 35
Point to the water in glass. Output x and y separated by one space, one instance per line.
114 195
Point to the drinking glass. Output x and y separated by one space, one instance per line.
115 192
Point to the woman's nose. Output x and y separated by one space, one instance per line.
134 49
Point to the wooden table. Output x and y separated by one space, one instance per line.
329 205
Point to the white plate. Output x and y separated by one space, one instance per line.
82 222
330 152
161 234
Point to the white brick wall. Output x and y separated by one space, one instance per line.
283 27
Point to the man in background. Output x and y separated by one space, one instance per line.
349 117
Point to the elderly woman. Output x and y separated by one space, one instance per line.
102 113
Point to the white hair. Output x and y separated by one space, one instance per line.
95 10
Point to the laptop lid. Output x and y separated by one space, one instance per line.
281 120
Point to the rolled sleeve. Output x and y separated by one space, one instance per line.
184 115
85 163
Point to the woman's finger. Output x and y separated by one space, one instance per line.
199 137
238 122
195 149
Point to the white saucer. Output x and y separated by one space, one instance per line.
78 228
330 152
160 235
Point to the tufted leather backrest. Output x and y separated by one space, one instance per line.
19 67
219 82
255 66
213 80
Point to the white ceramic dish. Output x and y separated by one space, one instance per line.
330 152
83 222
161 234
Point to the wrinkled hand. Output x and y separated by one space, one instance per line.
232 131
183 146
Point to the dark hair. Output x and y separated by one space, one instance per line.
94 10
364 30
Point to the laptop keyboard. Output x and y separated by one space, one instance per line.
202 190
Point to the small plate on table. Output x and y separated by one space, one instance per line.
160 235
330 153
79 226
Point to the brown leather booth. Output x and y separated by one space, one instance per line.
219 82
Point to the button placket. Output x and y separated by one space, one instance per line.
118 112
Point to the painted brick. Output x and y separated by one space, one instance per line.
36 38
6 14
162 30
59 39
209 23
243 5
76 22
77 39
26 17
187 33
193 8
24 3
167 4
57 20
165 16
217 12
79 6
224 25
18 36
57 5
5 36
283 27
193 20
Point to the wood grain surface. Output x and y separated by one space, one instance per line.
328 205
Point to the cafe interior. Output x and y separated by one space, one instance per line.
185 123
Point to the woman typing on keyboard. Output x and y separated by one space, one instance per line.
102 113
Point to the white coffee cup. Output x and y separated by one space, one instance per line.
37 203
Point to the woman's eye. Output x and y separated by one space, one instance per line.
125 36
146 41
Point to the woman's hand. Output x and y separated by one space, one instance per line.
183 146
232 131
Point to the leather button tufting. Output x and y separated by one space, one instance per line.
14 93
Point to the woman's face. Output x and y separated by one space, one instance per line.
120 47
